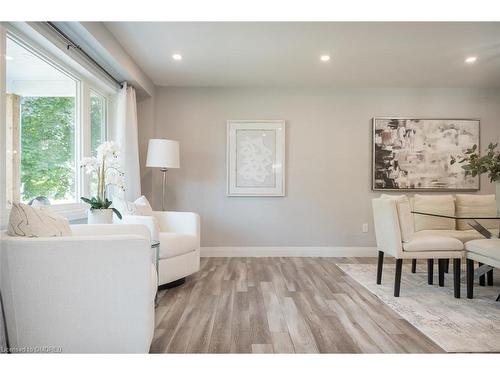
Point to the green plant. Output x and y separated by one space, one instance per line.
475 165
96 203
105 166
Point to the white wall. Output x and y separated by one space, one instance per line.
328 157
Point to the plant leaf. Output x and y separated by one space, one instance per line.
117 213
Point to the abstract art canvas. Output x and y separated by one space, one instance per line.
256 158
414 154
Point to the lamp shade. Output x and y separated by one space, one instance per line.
163 153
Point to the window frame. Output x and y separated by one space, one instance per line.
75 210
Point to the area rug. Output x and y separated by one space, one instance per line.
456 325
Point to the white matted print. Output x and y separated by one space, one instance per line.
256 158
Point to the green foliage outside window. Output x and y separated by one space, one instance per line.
47 147
96 121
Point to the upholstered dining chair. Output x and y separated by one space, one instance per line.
394 236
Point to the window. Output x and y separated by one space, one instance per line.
41 128
97 120
53 119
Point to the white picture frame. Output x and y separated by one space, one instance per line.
256 158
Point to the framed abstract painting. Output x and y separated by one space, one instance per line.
414 153
256 158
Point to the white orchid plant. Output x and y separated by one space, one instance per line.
106 167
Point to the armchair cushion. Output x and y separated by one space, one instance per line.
433 243
438 204
174 244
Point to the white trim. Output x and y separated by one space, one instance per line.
288 251
3 217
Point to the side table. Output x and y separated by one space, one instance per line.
155 245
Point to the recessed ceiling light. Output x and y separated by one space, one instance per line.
471 59
177 57
324 58
8 57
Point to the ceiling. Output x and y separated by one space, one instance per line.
363 54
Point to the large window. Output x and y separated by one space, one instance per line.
47 126
97 119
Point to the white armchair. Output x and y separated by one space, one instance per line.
179 236
389 234
92 292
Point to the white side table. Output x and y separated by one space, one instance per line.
155 245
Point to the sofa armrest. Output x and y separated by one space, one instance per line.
179 222
110 229
148 221
387 230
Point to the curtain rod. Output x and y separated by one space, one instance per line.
71 44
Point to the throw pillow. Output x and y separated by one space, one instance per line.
27 221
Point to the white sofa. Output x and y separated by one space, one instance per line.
179 236
92 292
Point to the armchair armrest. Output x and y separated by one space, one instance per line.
179 222
81 293
387 230
144 221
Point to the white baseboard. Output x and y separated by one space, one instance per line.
288 251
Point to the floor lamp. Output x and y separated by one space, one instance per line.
163 154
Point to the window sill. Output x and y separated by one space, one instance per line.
71 211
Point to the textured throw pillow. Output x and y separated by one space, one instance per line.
405 216
27 221
143 207
436 204
472 204
139 207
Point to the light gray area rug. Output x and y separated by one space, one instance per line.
456 325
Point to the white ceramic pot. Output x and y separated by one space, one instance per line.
101 216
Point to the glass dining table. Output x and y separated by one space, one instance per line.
473 221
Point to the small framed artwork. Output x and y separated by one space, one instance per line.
256 158
414 153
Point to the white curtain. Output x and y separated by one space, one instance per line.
126 134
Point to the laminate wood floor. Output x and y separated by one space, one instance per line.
280 305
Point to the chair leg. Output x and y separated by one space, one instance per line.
397 279
446 265
430 271
489 277
470 278
413 265
441 265
482 278
457 265
379 266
